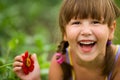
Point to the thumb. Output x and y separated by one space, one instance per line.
34 57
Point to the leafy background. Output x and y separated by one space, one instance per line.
30 25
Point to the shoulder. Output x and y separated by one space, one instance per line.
116 72
117 57
55 71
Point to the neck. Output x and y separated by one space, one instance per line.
96 63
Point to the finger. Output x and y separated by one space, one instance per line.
18 58
17 64
23 54
16 69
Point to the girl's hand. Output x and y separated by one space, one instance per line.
17 68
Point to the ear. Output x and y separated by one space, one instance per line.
112 30
64 37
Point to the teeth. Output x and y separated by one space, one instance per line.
86 42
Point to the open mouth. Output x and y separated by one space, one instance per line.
87 46
87 43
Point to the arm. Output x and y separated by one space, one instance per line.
55 71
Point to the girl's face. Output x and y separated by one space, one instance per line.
88 37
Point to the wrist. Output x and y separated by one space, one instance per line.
38 78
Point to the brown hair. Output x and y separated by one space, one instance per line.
84 9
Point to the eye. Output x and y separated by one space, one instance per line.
96 22
75 22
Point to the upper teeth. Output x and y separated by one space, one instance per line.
86 42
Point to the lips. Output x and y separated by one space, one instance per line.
86 45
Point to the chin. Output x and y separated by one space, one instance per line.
87 58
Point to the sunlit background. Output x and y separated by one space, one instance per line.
30 25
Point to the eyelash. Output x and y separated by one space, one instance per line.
96 22
76 22
92 22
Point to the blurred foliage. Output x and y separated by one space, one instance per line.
27 25
30 25
117 31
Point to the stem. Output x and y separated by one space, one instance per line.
8 52
6 65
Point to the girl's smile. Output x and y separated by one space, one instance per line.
86 45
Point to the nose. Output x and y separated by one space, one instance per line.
86 31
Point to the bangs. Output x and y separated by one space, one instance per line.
83 9
87 9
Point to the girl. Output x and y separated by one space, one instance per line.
86 51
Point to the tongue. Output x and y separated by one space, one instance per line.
86 48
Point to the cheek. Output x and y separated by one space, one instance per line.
102 34
102 37
71 33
